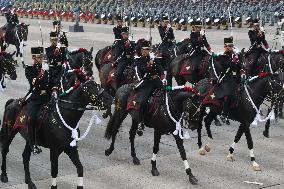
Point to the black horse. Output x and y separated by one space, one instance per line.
272 61
53 132
16 38
7 66
158 118
243 111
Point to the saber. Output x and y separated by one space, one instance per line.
40 33
230 18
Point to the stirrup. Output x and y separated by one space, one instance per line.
36 150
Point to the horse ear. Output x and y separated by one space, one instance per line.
91 50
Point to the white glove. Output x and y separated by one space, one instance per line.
262 29
54 95
45 66
202 32
169 26
58 45
164 82
152 55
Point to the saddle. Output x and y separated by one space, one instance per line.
22 118
187 66
133 101
112 76
208 95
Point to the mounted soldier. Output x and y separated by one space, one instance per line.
40 94
61 35
123 54
56 57
198 43
167 36
257 40
118 28
12 20
151 76
227 83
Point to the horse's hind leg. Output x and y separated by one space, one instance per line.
54 154
73 154
208 121
255 165
132 133
181 149
5 151
26 160
238 136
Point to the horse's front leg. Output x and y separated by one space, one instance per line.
54 154
255 165
73 154
181 149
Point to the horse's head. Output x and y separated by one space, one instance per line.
7 65
82 58
97 95
23 30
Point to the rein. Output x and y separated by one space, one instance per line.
271 115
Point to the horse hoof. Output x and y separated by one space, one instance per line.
256 167
202 151
207 147
193 180
136 161
140 133
53 187
155 172
230 157
4 178
108 152
31 185
265 134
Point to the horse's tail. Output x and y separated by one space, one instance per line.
120 112
6 125
115 123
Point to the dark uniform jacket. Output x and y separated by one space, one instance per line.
54 59
147 71
166 35
230 72
198 42
257 38
124 49
41 87
117 32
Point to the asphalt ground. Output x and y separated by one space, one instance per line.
118 171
